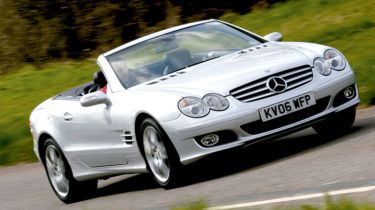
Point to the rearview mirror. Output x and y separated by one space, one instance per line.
94 98
274 37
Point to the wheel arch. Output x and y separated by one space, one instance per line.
41 140
43 137
137 124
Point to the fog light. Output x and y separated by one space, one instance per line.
210 140
349 92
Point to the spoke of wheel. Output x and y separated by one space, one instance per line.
56 171
164 169
49 163
52 153
157 162
164 156
60 163
63 184
162 151
147 147
153 138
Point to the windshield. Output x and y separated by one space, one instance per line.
180 49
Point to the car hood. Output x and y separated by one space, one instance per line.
225 73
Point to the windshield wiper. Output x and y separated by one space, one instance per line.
202 61
195 64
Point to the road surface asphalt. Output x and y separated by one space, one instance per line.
301 163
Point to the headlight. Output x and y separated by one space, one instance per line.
322 66
332 59
216 102
193 107
196 107
335 59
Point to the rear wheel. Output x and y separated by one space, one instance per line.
60 175
337 124
161 157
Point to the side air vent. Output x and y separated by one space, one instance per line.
127 137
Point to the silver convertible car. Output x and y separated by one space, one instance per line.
172 97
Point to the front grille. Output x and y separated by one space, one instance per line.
258 89
258 126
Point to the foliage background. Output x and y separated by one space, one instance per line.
48 46
43 30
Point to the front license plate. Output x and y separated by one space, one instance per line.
286 107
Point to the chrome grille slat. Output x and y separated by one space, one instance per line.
298 84
299 77
258 89
298 81
261 83
260 97
295 72
252 93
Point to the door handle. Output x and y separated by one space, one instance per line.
68 116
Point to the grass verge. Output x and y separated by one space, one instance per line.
346 25
330 204
23 90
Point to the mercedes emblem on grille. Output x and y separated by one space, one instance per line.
276 84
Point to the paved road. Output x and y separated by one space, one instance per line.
296 164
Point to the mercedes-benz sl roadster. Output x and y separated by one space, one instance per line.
172 97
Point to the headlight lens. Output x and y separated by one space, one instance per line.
332 59
193 107
322 66
216 102
196 107
335 59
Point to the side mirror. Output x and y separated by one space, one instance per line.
275 37
94 98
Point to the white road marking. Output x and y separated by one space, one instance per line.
294 198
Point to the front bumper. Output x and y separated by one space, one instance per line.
242 118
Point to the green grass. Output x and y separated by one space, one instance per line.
24 89
330 204
346 25
198 205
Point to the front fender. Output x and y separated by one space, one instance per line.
45 125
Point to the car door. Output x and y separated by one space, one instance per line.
90 134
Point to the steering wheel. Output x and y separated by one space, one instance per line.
89 89
94 88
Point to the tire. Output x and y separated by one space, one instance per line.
160 156
337 124
60 176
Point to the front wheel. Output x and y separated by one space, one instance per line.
161 157
60 176
337 124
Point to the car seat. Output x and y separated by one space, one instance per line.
176 59
99 79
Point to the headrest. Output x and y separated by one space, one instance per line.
178 59
99 79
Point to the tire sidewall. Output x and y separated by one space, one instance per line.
171 152
68 171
